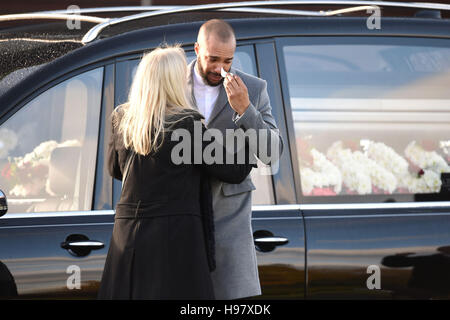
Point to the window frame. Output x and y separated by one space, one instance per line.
29 97
343 40
249 48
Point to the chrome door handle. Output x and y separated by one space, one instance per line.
80 246
266 241
275 241
89 244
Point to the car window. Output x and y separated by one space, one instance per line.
244 60
125 71
371 118
48 148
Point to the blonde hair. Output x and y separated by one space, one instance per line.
159 89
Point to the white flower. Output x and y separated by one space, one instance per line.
445 146
432 181
322 174
381 166
426 159
41 154
387 158
429 182
70 143
381 177
354 173
307 177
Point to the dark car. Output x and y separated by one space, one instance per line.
359 205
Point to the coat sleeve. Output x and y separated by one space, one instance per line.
113 156
259 118
234 171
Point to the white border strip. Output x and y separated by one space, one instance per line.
57 214
340 206
259 208
381 215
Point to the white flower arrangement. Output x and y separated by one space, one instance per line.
386 157
445 147
378 166
37 161
390 160
427 160
41 154
429 182
354 173
322 174
380 176
309 178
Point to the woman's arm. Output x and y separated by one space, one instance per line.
234 171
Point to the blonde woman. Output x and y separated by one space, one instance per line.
162 246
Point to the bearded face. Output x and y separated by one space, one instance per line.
212 56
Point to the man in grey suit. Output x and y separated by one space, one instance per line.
237 101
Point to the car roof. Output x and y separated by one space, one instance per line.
33 43
60 51
21 43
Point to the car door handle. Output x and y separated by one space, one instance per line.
80 246
90 244
266 241
275 241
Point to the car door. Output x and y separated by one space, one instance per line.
277 222
371 123
53 244
278 230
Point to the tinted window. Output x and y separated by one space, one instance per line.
244 60
48 148
371 118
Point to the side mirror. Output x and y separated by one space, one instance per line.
3 204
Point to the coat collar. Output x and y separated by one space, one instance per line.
221 101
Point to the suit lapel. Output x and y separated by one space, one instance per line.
190 84
221 101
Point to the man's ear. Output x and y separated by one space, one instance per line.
196 48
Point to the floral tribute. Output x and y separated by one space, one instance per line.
369 168
28 175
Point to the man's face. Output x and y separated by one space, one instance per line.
212 55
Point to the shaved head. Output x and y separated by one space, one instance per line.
214 48
218 29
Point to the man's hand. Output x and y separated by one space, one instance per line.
237 93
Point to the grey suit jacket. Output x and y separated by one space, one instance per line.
236 274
